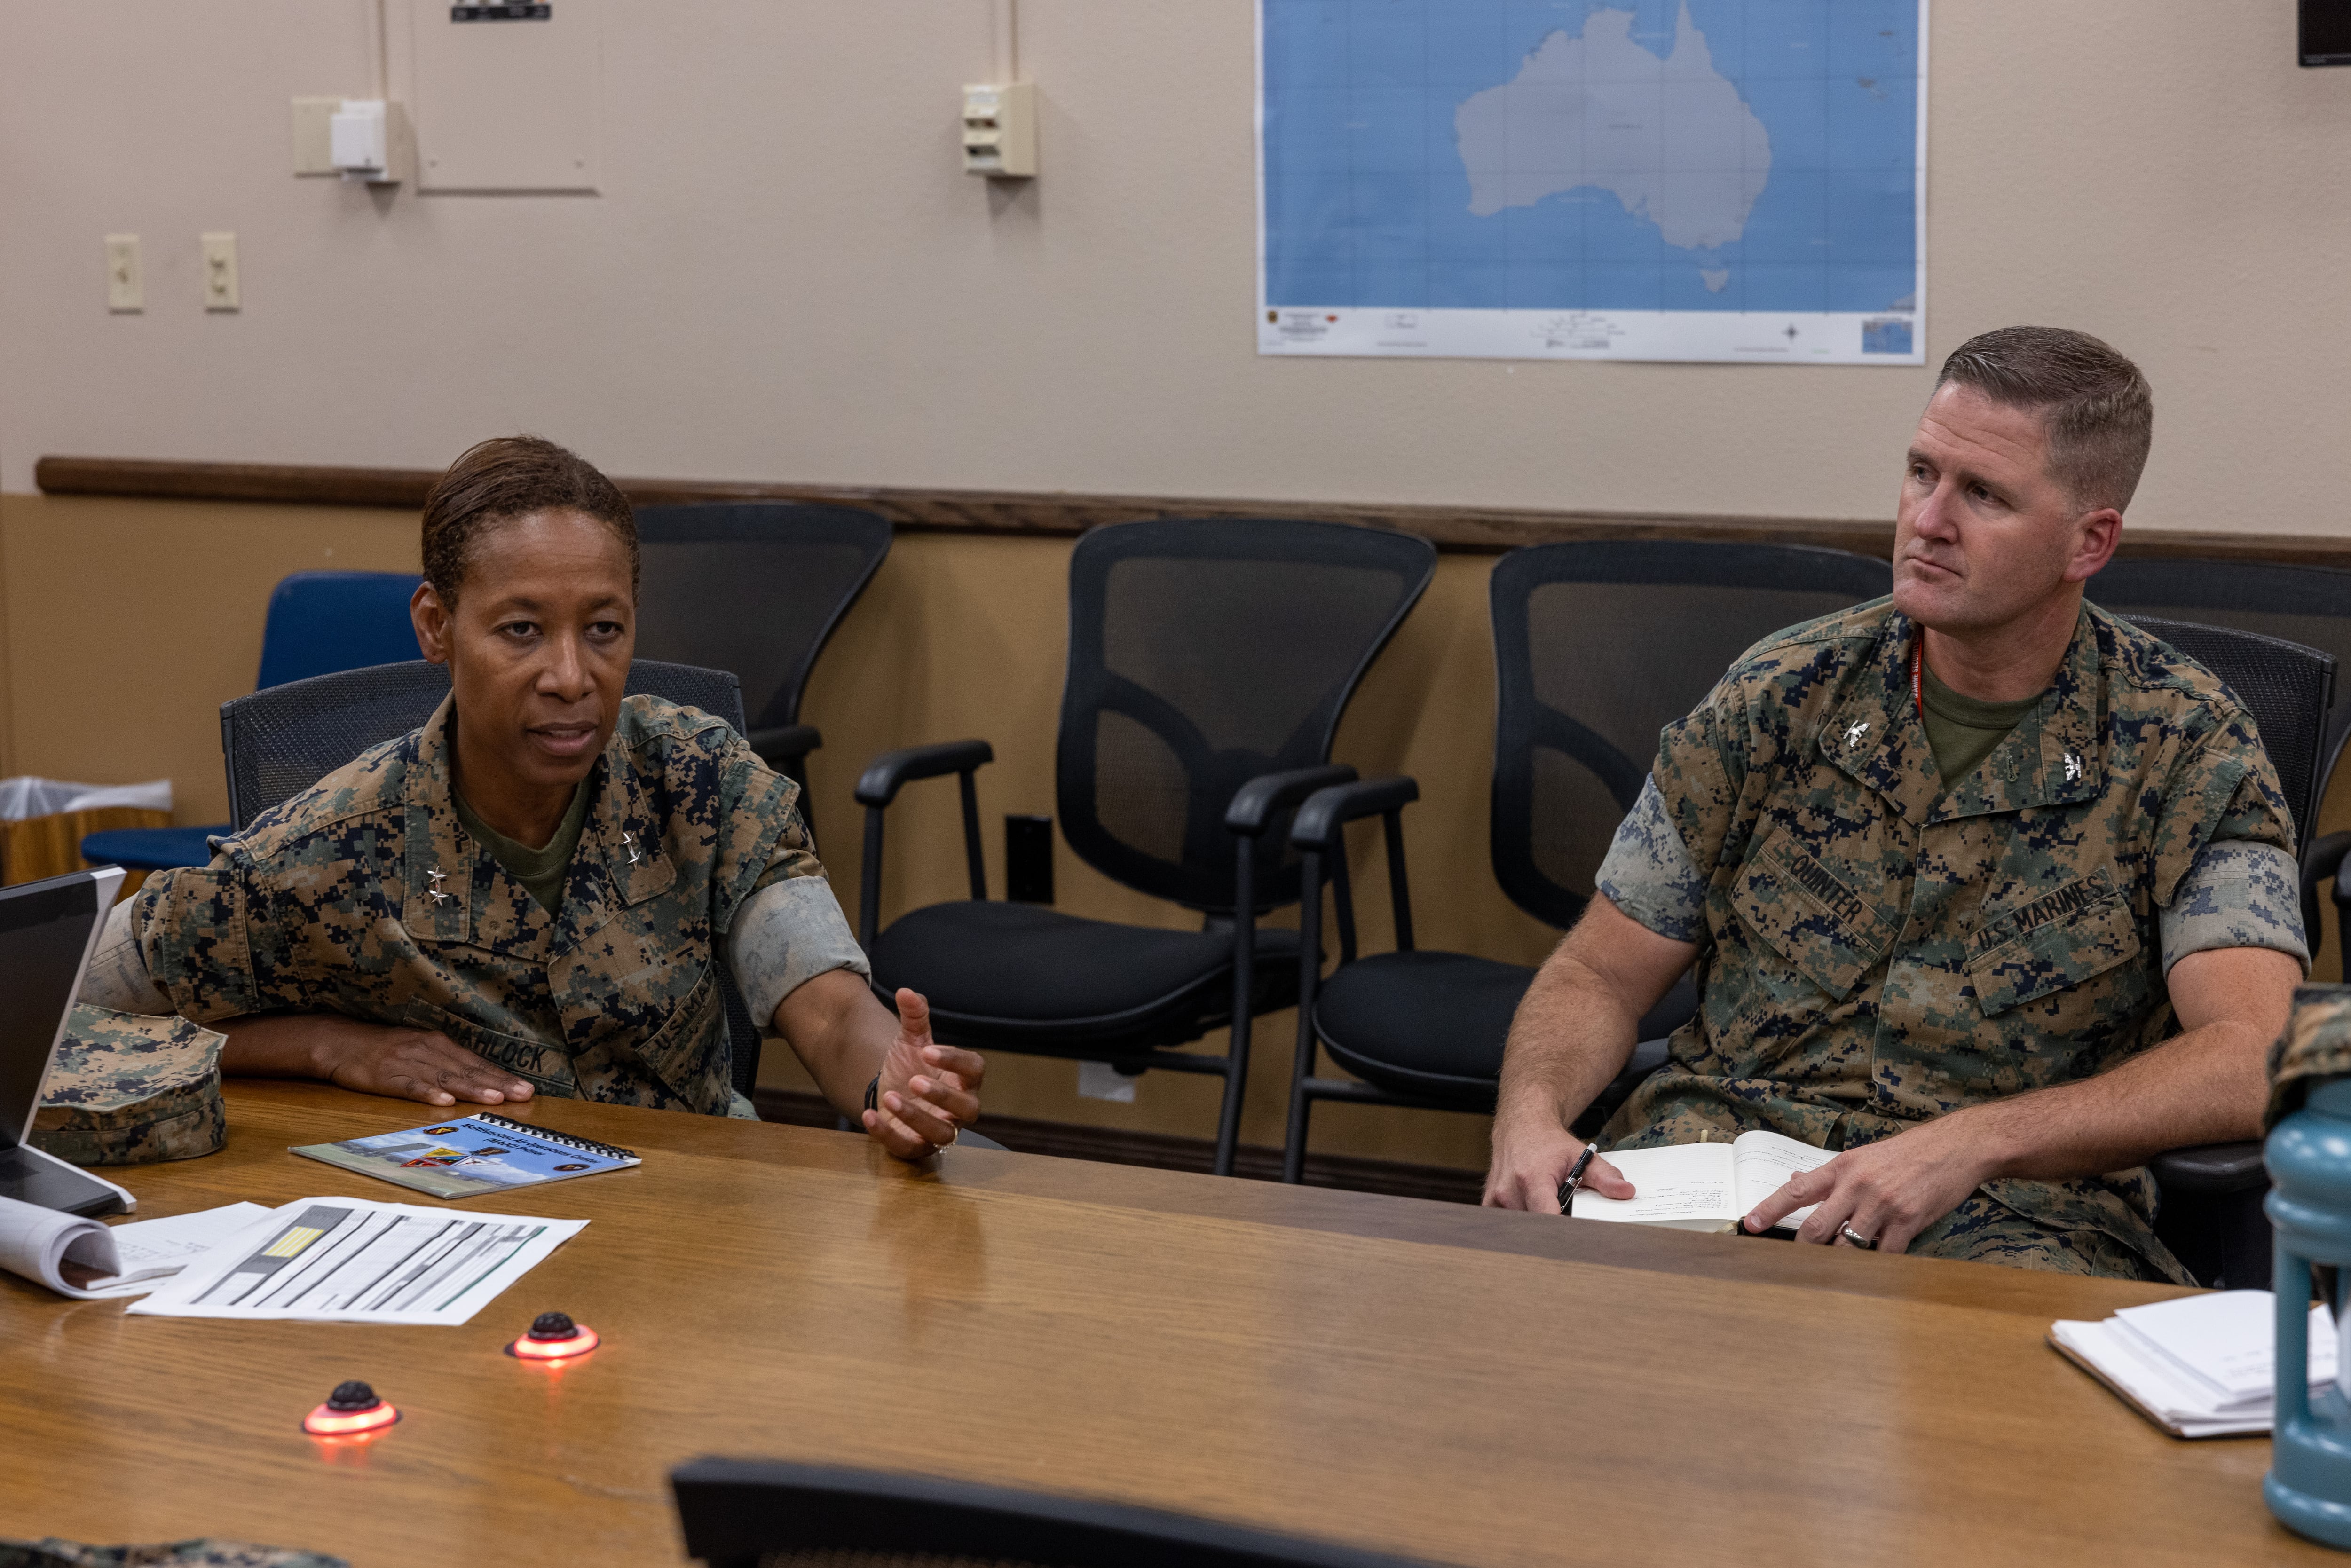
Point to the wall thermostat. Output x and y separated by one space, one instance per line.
1000 130
367 140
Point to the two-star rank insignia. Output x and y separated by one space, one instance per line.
436 892
629 842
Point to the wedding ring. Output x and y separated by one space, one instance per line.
1866 1243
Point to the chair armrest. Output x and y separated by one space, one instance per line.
1327 810
2211 1168
1255 802
892 771
784 743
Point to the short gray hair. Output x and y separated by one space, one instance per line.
2094 403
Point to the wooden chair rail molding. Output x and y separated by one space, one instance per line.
1051 514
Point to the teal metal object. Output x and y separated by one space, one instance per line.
2309 1160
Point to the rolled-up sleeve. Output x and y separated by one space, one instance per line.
789 931
190 925
2239 892
1647 873
117 979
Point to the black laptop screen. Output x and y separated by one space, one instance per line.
44 930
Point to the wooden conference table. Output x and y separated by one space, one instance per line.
1469 1386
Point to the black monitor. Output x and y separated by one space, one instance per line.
47 931
2325 32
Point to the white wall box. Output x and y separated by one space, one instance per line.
506 96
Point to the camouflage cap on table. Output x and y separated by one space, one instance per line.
169 1554
128 1089
2315 1047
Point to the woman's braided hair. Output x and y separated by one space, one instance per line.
513 477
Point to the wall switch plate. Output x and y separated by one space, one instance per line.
220 271
1101 1080
999 130
314 142
125 289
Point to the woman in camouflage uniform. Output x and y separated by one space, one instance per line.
394 930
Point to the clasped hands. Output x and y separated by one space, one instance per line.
1887 1191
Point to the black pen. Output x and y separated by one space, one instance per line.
1575 1175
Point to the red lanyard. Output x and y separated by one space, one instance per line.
1918 664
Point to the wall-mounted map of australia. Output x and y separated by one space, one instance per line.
1735 180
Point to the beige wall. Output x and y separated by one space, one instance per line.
787 276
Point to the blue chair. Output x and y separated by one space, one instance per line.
320 622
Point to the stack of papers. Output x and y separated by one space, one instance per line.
2197 1366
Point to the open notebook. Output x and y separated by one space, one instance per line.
1703 1187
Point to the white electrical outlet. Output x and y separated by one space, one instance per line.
220 271
125 289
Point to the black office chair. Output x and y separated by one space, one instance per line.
1596 647
1209 661
765 1514
2307 604
278 743
2211 1214
755 587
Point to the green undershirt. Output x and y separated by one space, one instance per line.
541 870
1963 731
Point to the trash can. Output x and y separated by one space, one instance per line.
43 821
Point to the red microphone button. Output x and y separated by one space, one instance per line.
351 1408
553 1336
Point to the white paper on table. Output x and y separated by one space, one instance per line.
2157 1385
1681 1184
41 1244
2226 1338
150 1250
353 1259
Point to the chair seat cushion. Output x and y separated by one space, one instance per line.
1432 1025
1033 978
152 849
1425 1024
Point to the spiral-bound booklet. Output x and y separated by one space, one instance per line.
468 1155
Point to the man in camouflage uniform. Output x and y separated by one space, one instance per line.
1996 989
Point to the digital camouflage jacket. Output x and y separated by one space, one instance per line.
1876 950
364 896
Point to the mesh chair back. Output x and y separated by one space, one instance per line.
2288 688
2307 604
320 622
755 588
1203 654
766 1513
1599 646
279 742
